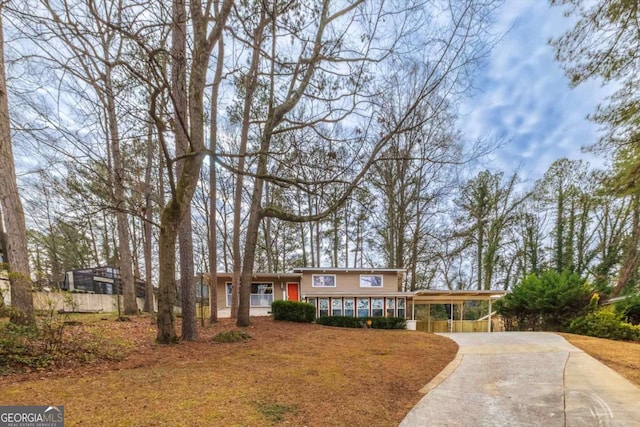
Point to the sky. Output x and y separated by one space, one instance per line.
523 96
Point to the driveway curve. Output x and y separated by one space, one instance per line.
525 379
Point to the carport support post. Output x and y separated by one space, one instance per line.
489 326
451 327
413 308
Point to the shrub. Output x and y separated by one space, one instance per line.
629 309
547 301
388 323
231 336
341 321
358 322
605 324
293 311
49 343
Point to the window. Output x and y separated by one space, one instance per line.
349 307
323 281
402 312
228 294
261 294
370 281
391 307
336 307
323 307
363 307
312 301
377 307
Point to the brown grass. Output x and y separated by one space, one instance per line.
287 373
621 356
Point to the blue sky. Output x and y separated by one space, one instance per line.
523 95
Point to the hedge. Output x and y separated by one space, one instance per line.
358 322
605 324
293 311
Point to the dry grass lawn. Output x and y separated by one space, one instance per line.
290 374
621 356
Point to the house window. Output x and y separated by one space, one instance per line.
377 307
228 294
313 302
363 307
323 281
261 294
323 307
402 311
336 307
391 307
349 307
370 281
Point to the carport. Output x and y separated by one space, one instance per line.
429 297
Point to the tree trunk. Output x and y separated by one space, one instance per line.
213 190
15 236
181 106
147 219
117 180
631 260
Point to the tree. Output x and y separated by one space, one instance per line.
296 89
491 206
182 189
12 223
604 44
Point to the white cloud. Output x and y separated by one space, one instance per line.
525 98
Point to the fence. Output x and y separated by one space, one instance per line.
70 301
443 326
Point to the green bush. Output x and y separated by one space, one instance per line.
341 321
605 324
629 309
358 322
388 323
293 311
546 301
231 336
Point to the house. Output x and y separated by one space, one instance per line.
265 288
99 280
354 291
334 291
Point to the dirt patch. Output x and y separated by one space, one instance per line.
287 373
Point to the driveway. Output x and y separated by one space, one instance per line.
525 379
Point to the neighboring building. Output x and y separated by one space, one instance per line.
5 289
99 280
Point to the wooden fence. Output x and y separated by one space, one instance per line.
443 326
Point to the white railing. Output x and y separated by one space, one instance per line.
257 300
261 300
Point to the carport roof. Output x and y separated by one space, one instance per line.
428 296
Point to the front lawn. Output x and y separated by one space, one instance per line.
295 374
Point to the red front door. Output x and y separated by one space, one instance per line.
292 292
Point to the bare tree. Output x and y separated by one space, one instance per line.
14 241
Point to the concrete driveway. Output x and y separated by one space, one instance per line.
525 379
